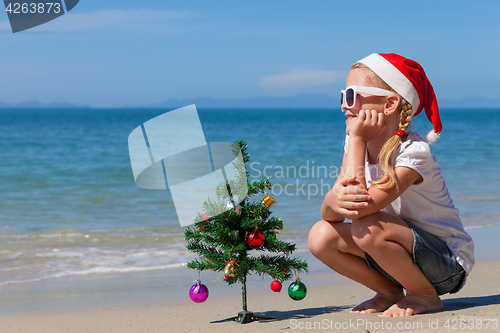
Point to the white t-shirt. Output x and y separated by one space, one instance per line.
428 204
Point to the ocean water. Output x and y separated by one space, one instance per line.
69 204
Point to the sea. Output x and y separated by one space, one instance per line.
69 205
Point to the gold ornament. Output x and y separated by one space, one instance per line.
268 201
229 270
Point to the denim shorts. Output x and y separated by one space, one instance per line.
436 261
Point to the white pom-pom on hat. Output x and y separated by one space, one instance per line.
432 137
408 79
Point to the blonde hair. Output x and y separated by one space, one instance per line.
386 155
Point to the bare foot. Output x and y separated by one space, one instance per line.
413 304
378 303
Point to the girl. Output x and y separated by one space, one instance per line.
406 234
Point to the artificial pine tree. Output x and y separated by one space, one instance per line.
227 242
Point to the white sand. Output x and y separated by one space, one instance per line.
325 308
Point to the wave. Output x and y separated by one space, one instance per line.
62 253
96 270
38 264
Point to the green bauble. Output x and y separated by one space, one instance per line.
297 290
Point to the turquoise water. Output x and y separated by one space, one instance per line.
69 204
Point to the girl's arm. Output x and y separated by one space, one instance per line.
343 198
379 199
355 164
368 126
328 211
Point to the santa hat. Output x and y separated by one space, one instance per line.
408 79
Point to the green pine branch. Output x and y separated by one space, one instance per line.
222 238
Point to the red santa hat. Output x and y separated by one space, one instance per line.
408 79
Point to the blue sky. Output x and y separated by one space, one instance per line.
128 53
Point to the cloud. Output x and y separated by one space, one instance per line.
116 20
301 78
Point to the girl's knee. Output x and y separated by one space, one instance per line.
314 240
321 236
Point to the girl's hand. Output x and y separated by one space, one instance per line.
368 125
350 197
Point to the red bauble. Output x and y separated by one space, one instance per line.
255 239
276 286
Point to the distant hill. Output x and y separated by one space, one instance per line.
297 101
33 104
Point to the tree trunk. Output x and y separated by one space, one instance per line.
244 294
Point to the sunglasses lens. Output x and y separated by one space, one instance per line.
349 97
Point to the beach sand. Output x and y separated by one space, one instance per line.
143 302
324 308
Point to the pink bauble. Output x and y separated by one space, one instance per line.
198 292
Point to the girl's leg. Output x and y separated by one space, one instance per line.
333 244
389 241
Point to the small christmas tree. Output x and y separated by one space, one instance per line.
224 241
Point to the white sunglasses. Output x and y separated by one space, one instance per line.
348 96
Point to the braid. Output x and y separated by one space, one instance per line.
404 123
386 155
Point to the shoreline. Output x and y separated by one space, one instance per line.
166 287
158 300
